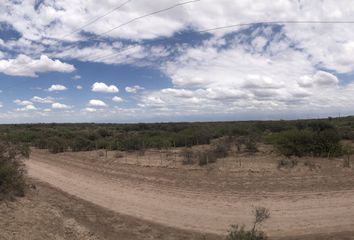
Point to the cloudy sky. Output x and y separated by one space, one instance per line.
145 61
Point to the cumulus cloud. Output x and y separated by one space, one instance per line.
42 100
325 78
261 67
319 79
97 103
57 105
23 103
27 108
26 66
104 88
79 87
133 89
117 99
57 87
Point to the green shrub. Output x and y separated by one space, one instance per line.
56 145
239 233
317 140
12 182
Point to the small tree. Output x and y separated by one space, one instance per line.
236 232
261 215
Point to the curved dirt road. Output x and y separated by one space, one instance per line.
293 212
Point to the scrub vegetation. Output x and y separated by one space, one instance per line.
290 138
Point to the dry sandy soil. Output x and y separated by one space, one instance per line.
314 200
47 213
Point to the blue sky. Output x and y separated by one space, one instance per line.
162 68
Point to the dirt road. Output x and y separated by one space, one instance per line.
161 200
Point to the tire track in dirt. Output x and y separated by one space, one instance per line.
293 213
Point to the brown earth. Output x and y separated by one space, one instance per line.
47 213
315 200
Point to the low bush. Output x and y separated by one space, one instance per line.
287 163
310 164
251 145
239 233
207 157
188 156
319 140
118 154
12 182
100 153
236 232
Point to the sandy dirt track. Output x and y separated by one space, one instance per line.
294 212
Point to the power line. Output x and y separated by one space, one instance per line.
97 18
126 23
274 22
233 26
147 15
209 29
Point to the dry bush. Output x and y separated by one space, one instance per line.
141 152
118 154
12 171
348 151
100 154
207 157
287 163
310 164
188 156
236 232
251 145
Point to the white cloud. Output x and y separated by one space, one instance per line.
79 87
42 100
25 66
88 109
133 89
325 78
104 88
60 106
26 108
23 103
268 67
97 103
57 87
76 77
117 99
319 79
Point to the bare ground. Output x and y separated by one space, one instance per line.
47 213
315 202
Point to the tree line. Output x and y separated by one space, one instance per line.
300 137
